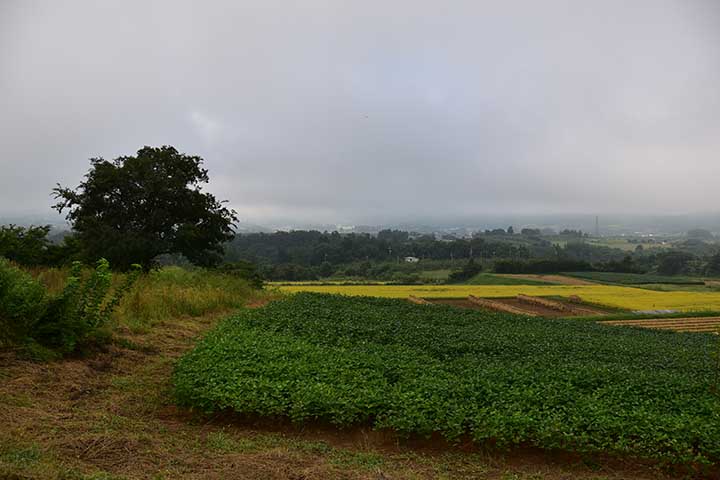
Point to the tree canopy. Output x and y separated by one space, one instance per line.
134 208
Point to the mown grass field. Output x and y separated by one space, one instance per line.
505 379
627 298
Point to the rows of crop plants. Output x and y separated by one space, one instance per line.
415 369
624 298
636 278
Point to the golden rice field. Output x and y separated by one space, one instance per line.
627 298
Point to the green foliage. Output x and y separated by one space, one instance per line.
22 303
674 262
35 320
31 246
469 270
313 253
541 266
27 246
713 265
134 208
83 308
502 378
490 279
244 270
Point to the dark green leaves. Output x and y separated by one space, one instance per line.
134 208
501 378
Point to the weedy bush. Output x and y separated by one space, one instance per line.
507 379
83 308
22 302
30 316
245 270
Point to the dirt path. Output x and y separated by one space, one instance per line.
557 279
111 417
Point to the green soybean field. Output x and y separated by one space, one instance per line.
496 379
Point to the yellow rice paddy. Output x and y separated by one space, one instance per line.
614 296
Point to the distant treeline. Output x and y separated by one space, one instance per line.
310 255
306 255
314 248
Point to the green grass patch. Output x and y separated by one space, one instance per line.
172 292
435 275
635 278
490 279
23 457
512 380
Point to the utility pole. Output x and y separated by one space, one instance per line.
597 226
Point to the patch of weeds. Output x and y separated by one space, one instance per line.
102 476
224 443
460 465
15 400
123 342
517 476
137 326
21 456
349 459
124 383
37 353
109 423
306 446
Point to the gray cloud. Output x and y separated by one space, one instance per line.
373 111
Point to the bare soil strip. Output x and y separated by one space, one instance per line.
696 324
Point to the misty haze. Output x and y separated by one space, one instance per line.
373 112
372 240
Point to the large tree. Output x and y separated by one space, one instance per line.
134 208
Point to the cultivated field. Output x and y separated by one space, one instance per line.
619 297
493 378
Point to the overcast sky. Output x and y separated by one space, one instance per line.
373 111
